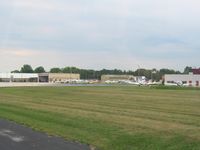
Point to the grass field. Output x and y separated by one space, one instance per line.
109 118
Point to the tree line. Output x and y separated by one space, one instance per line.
154 74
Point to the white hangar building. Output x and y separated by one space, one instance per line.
191 79
35 77
19 77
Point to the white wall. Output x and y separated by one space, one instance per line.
180 78
18 75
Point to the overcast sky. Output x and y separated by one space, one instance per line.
100 34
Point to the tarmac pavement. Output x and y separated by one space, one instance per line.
18 137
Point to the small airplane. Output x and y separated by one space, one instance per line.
177 83
129 82
154 83
111 82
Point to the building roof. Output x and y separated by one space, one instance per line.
196 71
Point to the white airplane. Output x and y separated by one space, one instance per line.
176 83
186 85
171 84
134 83
180 83
129 82
80 81
154 83
111 82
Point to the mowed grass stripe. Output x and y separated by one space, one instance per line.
81 108
104 109
123 103
134 113
94 111
84 108
51 123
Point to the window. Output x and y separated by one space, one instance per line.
190 83
184 82
170 82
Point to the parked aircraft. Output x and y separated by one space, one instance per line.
130 82
177 83
154 83
111 82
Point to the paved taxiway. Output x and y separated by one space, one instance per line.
18 137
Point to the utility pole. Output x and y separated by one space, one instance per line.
138 72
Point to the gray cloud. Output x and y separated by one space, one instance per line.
146 32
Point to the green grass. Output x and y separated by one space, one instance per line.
109 118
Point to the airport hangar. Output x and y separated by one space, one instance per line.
41 77
192 79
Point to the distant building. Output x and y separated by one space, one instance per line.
116 77
196 71
18 77
58 77
191 79
41 77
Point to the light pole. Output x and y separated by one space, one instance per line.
152 72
